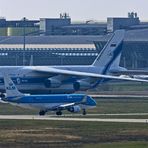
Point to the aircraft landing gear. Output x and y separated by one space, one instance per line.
59 113
2 95
84 112
42 113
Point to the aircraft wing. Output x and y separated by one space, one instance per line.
68 105
131 72
64 106
56 71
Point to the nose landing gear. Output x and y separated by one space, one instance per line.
42 113
59 113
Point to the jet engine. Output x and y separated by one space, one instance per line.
81 85
74 109
52 83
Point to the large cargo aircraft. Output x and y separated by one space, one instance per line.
71 102
69 79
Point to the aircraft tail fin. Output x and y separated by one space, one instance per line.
11 89
116 64
110 54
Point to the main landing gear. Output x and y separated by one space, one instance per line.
2 95
84 112
42 113
58 113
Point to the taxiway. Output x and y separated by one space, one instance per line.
67 118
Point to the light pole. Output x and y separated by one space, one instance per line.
24 39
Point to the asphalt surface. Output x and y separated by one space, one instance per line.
69 118
120 96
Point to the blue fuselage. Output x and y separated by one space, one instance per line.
49 102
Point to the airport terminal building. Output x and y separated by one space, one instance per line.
63 43
71 50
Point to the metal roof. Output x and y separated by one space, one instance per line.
132 35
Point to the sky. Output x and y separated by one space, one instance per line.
79 10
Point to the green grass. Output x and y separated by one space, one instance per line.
121 106
124 144
123 87
31 133
71 134
7 109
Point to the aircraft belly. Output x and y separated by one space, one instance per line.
40 88
39 106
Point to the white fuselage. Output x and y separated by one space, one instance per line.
28 80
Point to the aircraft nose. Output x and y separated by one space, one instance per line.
91 101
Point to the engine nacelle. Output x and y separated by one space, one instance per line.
81 85
52 83
74 109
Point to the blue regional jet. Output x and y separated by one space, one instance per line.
71 102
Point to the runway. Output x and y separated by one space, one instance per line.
120 96
120 114
67 118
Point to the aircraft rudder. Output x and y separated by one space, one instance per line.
111 51
10 87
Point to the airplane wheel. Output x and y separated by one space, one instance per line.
59 113
42 113
84 112
2 95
